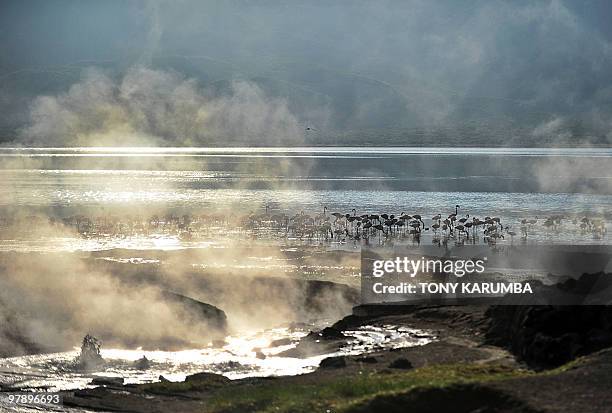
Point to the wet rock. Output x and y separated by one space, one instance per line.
207 379
90 357
107 381
162 379
401 363
214 317
333 362
229 365
95 393
327 334
142 363
259 354
331 333
367 359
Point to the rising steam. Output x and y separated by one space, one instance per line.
49 301
155 107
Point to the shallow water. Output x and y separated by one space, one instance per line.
183 177
236 359
512 183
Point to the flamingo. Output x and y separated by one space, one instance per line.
467 227
512 234
435 227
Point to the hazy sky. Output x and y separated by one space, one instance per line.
545 66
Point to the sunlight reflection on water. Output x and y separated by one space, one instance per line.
238 358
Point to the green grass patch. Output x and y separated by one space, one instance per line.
337 393
169 387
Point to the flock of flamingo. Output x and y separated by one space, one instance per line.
461 228
343 226
324 226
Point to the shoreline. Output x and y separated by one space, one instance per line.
452 345
460 362
479 350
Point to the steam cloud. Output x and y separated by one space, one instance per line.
50 302
155 107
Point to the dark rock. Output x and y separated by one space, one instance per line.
350 321
587 283
162 379
367 359
333 362
198 311
548 336
230 365
90 357
326 334
331 333
554 350
107 381
207 378
142 363
401 363
599 338
258 353
97 393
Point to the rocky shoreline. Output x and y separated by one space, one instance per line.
484 358
469 367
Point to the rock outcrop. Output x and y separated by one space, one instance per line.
547 336
214 317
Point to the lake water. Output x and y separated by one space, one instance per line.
514 183
362 178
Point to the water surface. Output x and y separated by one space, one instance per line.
513 183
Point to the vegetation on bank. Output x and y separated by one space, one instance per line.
337 392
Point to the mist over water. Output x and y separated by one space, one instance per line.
514 183
369 179
79 291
